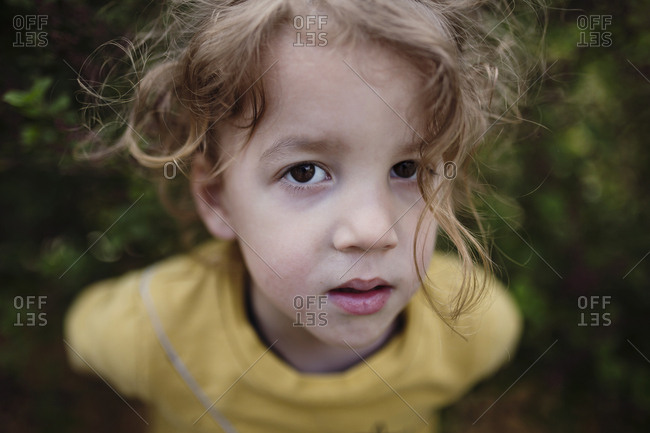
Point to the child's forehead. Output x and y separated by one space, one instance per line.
363 56
335 99
335 73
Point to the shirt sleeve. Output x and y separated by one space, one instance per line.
105 335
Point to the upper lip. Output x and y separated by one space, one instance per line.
362 285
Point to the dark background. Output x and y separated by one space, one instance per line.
568 218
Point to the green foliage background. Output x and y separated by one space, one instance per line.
574 225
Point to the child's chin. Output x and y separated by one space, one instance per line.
351 336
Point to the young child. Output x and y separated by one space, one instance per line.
328 143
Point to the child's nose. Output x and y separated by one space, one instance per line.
366 222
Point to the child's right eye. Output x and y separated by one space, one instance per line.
306 173
405 169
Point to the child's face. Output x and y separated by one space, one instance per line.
325 193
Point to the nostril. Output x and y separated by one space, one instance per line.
364 238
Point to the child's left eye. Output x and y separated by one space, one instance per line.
306 173
405 169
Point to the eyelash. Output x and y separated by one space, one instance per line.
294 188
298 187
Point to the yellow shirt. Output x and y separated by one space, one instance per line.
177 336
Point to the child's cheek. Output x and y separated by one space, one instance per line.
282 259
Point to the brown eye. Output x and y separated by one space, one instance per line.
306 173
405 169
302 173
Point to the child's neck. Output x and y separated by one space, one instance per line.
306 353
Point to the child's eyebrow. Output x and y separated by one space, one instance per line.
286 145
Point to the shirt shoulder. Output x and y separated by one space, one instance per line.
109 330
105 333
481 340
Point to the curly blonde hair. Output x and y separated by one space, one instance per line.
200 65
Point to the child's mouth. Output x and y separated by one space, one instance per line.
351 290
361 297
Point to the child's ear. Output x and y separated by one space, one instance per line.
208 199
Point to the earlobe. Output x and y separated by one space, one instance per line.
208 199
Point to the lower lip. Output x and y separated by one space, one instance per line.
361 303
